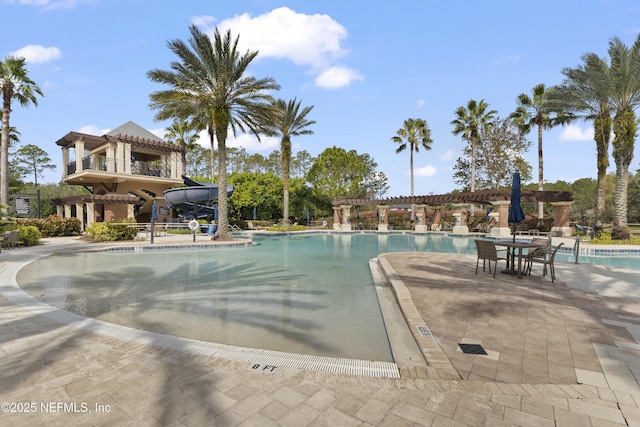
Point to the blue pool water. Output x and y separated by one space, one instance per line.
308 294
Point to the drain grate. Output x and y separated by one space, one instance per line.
472 349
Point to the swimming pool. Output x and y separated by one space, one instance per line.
310 294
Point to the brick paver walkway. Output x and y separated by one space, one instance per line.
563 354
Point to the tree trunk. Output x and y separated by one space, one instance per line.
286 165
602 134
223 217
4 156
413 210
212 157
620 198
540 172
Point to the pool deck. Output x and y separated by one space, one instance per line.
564 353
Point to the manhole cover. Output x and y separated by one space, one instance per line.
472 349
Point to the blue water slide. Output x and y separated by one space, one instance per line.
186 197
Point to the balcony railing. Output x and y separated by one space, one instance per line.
104 164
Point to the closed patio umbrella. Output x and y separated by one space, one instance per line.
515 210
154 218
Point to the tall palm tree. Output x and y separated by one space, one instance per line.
15 84
585 94
288 121
538 112
625 96
415 133
212 77
182 133
468 122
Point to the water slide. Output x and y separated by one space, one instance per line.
188 198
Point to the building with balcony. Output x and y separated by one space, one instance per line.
124 171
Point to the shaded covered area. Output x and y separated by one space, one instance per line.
498 199
90 208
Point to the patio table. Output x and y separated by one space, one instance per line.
512 246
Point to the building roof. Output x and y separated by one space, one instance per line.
131 130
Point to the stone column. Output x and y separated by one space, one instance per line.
437 219
346 215
501 229
91 213
79 155
383 221
67 211
130 211
111 158
80 214
561 215
421 219
120 157
60 211
336 218
65 162
461 219
127 159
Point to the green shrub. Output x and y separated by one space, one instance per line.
52 226
291 228
29 235
110 232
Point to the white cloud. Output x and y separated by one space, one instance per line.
421 103
337 77
446 156
93 130
247 141
313 41
575 133
425 171
203 21
37 54
159 132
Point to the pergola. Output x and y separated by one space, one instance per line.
500 199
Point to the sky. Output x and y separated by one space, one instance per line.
364 66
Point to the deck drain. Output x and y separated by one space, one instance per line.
472 349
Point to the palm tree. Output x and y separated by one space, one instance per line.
539 112
15 84
415 133
625 97
181 132
211 78
585 94
288 121
468 123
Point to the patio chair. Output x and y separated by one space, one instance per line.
487 252
544 256
10 240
